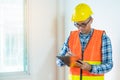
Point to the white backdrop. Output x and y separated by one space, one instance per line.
106 17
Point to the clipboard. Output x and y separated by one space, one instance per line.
68 60
65 59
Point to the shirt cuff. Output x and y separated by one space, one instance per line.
60 63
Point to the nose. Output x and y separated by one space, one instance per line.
81 28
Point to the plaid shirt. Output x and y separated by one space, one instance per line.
107 63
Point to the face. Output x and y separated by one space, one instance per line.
84 26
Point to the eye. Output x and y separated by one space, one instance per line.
83 24
78 24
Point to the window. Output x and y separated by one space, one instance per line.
13 53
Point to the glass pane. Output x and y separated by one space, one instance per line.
12 47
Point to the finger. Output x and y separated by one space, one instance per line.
80 61
79 64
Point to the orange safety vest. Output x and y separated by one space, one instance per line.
92 54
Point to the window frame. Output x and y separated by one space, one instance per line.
26 73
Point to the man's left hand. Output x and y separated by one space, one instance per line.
83 65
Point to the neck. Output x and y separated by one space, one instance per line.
86 32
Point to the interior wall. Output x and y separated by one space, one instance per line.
106 17
41 28
60 35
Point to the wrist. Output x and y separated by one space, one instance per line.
90 68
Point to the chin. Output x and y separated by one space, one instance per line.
83 32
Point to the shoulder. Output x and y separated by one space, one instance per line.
105 37
74 31
97 30
104 34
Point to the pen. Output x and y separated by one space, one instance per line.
79 62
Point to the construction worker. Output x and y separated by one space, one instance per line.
91 46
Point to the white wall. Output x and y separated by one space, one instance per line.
41 27
106 16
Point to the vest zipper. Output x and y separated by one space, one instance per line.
80 74
80 68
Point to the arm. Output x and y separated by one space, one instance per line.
63 52
107 62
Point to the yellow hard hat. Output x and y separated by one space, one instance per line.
81 12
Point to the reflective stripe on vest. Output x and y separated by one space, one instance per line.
92 54
75 77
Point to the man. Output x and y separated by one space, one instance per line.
91 46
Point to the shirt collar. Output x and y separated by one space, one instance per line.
88 33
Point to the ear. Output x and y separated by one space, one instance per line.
91 20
